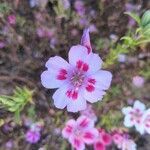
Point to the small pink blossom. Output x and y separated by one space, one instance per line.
45 32
78 81
79 7
2 44
146 121
80 132
102 141
133 116
138 81
89 112
12 19
32 136
123 141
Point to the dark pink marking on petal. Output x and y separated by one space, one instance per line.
62 74
77 143
92 81
79 64
84 123
106 138
88 135
85 67
74 95
69 129
99 146
90 88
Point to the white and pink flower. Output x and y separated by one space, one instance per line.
103 140
133 116
123 142
80 132
78 81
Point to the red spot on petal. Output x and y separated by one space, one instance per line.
92 81
85 67
72 94
90 88
62 74
69 129
77 143
88 135
79 64
84 123
99 146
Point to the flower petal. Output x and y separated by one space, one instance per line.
84 123
139 105
68 130
77 104
140 128
128 121
93 96
90 136
103 79
59 97
77 53
106 138
77 143
99 146
56 62
126 110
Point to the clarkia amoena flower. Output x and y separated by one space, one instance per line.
133 116
78 81
103 140
80 132
123 141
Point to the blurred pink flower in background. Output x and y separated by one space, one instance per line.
103 140
9 144
2 44
138 81
79 7
89 112
133 116
32 136
123 142
80 132
78 81
11 19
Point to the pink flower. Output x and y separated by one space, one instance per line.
79 7
103 140
12 19
80 132
123 141
2 44
133 116
146 121
32 136
89 112
78 81
138 81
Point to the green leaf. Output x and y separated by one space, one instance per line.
134 16
145 18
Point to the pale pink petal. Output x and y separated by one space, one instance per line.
99 146
84 123
85 40
77 104
59 97
77 143
94 62
93 96
140 128
139 105
68 130
103 79
146 121
56 62
126 110
128 121
77 53
49 79
90 136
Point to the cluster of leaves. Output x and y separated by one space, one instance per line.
4 8
133 40
17 101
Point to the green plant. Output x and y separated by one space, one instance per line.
4 8
131 41
17 101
